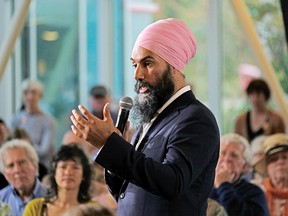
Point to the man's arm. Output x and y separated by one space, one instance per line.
114 183
186 153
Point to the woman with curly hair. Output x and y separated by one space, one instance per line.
70 179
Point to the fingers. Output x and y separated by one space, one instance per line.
85 112
76 131
78 120
127 126
79 124
107 114
127 133
116 130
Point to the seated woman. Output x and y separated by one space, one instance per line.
98 190
69 180
275 165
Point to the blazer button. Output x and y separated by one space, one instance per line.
122 195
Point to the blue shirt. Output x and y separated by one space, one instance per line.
10 196
41 128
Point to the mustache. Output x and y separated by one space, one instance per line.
140 83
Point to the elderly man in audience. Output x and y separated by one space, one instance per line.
19 164
235 194
275 165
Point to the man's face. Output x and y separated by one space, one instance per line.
154 82
19 170
31 98
232 158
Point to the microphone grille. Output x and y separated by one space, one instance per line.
126 103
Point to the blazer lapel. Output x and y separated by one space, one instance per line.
136 135
166 116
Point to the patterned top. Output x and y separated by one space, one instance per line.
5 210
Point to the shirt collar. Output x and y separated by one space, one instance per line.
35 193
174 97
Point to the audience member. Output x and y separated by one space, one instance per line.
98 189
69 137
99 96
69 183
170 169
5 210
19 164
257 150
4 136
4 132
235 194
88 210
40 127
275 165
259 120
215 209
21 134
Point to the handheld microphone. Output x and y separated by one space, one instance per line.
125 104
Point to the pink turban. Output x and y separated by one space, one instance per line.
171 39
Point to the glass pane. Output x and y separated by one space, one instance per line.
194 14
237 53
57 61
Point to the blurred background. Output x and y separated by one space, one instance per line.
72 45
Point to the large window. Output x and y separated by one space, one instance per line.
71 45
235 49
50 51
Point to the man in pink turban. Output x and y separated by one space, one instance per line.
171 40
169 168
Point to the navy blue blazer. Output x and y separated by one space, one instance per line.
174 171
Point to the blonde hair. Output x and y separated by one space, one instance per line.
35 85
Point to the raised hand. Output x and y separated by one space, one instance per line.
223 174
91 128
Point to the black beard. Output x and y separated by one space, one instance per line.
146 105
